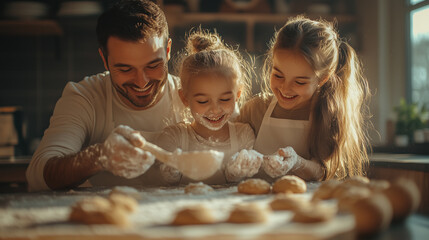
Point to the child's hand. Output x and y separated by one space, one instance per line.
245 163
281 162
170 174
121 153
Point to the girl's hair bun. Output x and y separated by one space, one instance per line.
202 41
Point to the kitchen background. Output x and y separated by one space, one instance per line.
45 44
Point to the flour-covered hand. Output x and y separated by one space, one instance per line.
245 163
121 154
281 162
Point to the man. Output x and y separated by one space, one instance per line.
87 136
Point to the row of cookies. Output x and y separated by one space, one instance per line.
374 203
286 199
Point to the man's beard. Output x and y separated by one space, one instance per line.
144 102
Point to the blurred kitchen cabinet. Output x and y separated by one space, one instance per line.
38 58
30 27
258 27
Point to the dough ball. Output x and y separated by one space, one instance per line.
248 213
372 214
314 213
198 188
351 196
126 190
378 185
357 181
98 210
326 189
404 195
194 215
288 202
289 184
128 203
254 186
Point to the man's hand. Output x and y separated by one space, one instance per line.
245 163
121 155
281 162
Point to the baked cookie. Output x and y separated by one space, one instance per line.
313 213
372 214
98 210
248 213
289 184
194 215
198 188
325 190
287 202
254 186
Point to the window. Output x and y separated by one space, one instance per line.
419 51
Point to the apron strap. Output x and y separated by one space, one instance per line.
233 138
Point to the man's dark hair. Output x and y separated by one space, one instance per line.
131 20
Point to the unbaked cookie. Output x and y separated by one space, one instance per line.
254 186
287 202
372 214
98 210
289 184
198 188
378 185
126 190
351 196
404 196
129 204
357 181
248 213
194 215
313 213
325 190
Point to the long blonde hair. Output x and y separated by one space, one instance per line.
338 133
207 53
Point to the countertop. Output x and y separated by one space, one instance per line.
403 161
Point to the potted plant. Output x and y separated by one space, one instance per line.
410 122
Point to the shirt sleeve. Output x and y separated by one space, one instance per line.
68 128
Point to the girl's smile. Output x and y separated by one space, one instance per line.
211 98
293 81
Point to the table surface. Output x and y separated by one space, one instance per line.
44 215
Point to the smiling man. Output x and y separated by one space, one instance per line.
93 131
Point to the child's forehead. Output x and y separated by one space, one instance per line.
211 83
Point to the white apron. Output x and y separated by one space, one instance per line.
219 176
276 133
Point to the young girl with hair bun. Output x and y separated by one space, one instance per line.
310 117
214 81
